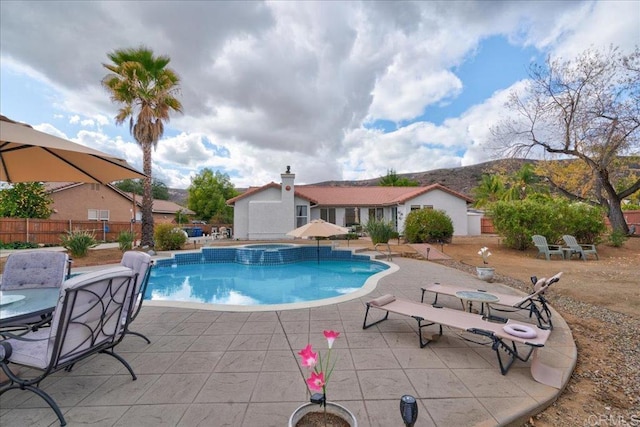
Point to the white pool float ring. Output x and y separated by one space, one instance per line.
520 331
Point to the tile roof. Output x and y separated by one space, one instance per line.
159 206
355 196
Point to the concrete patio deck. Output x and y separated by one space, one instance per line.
226 368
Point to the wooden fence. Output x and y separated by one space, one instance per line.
48 231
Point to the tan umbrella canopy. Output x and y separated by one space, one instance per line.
29 155
318 228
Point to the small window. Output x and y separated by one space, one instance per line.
427 207
415 207
98 215
301 215
376 214
328 214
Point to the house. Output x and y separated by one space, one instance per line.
81 201
270 211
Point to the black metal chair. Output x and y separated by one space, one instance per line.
86 321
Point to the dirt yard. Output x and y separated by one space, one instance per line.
599 299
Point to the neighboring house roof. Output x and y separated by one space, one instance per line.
159 206
355 196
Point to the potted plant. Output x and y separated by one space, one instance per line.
319 411
484 272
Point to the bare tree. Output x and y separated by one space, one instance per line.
587 108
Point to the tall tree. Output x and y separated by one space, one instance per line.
159 190
208 195
146 90
586 108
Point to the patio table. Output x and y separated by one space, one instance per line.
19 304
479 296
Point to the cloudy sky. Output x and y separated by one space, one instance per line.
338 90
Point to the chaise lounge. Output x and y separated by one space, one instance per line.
504 335
535 302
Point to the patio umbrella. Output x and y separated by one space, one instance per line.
29 155
318 228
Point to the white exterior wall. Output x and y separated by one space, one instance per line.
474 224
454 206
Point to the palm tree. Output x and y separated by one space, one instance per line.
491 189
146 91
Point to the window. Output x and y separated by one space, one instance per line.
415 207
95 187
376 214
427 207
98 215
301 215
328 214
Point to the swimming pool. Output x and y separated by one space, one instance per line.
226 281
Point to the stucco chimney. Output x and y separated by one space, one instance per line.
287 185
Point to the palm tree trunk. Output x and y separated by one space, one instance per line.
147 199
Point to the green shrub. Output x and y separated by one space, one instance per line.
168 237
78 242
428 226
379 231
125 240
617 238
516 221
583 221
19 245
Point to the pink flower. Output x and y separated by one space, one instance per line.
316 381
331 337
308 357
322 367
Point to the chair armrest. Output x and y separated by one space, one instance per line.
587 246
554 247
5 351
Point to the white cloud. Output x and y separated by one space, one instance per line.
270 84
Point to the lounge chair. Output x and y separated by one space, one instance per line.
34 269
140 263
535 302
503 342
579 249
546 249
86 321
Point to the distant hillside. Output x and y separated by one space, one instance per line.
462 179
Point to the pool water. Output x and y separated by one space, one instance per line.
241 284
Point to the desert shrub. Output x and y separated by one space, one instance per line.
617 238
428 226
168 237
516 221
78 242
125 240
379 231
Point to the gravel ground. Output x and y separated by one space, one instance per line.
604 389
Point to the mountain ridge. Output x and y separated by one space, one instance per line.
462 179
